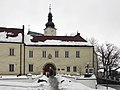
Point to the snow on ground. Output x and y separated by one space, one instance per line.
82 79
47 84
67 84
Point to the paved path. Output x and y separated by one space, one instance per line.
53 83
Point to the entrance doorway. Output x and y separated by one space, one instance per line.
49 69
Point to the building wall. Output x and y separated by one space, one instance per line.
21 59
86 57
6 58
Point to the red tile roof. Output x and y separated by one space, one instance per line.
76 38
14 31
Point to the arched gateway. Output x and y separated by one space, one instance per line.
49 69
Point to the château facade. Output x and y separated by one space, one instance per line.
35 53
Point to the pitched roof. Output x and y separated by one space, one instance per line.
76 38
12 32
34 33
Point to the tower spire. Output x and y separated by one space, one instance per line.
50 29
28 28
50 23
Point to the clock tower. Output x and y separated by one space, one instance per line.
50 29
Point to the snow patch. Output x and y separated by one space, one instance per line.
3 37
57 42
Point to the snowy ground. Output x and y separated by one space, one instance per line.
52 83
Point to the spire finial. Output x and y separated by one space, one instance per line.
50 8
28 27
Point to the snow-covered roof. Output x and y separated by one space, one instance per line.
28 40
54 42
5 38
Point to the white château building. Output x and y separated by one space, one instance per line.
35 53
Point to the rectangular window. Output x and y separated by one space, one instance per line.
77 54
66 54
68 69
30 54
74 69
44 54
30 67
11 67
56 54
11 52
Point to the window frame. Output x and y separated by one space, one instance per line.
56 54
77 54
11 52
30 54
44 54
66 54
11 67
74 68
30 67
68 69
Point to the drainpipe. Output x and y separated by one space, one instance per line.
23 50
24 61
23 34
20 58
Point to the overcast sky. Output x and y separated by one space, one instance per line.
91 18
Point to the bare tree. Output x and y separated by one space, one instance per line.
108 55
94 42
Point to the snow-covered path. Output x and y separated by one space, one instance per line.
53 83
